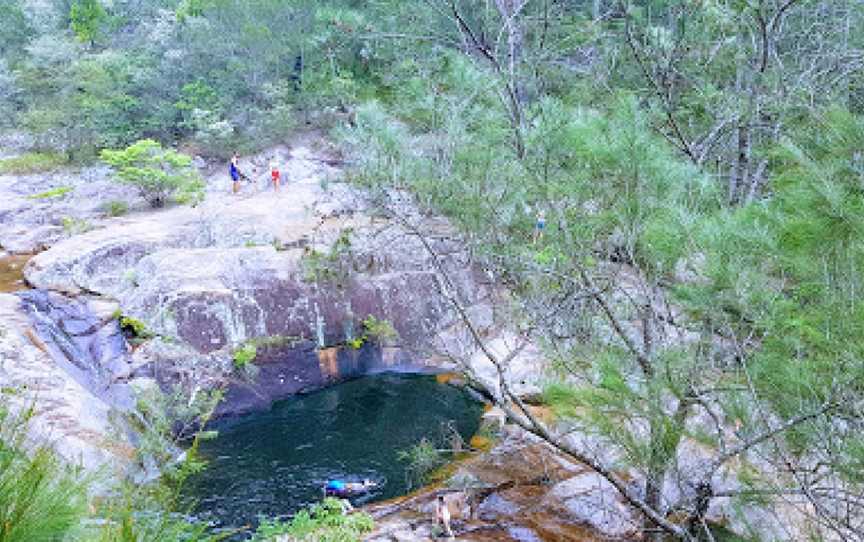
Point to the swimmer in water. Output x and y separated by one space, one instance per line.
342 489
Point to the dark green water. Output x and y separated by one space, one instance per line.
274 463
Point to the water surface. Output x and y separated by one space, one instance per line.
274 463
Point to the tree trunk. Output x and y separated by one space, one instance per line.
653 498
509 10
738 173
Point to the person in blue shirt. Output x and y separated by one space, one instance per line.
236 175
539 226
342 489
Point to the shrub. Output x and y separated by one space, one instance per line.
380 330
422 458
157 173
323 522
115 208
31 162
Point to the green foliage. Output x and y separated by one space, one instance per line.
58 192
323 522
86 18
157 173
244 355
381 331
75 226
40 498
423 459
156 511
135 327
115 208
334 267
31 162
15 28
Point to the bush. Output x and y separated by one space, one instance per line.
380 330
31 162
423 459
75 226
115 208
324 522
157 173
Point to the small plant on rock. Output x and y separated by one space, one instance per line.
244 356
75 226
115 208
136 328
380 330
58 192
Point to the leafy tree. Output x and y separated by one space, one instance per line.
86 18
15 29
157 173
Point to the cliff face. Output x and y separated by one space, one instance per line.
293 273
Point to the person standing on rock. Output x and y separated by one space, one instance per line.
539 226
275 175
442 516
234 170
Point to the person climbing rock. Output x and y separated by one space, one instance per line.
275 175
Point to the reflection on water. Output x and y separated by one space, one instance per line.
12 273
273 463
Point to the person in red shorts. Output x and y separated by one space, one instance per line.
275 175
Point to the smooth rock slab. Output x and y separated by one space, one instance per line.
67 416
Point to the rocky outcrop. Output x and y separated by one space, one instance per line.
293 273
520 490
38 210
66 414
